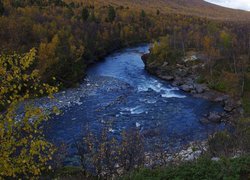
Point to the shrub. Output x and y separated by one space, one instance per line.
204 168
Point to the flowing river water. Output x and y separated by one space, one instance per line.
119 93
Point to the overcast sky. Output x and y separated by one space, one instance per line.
236 4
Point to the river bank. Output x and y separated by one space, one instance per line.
185 76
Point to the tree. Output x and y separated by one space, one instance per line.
111 14
1 8
210 51
24 152
85 14
158 12
161 49
226 40
143 14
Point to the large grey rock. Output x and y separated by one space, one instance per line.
165 64
200 88
181 73
204 121
221 98
187 88
214 117
167 78
215 159
231 104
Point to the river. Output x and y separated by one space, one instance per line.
119 93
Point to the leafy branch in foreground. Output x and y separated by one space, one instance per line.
24 152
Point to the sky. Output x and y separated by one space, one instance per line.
236 4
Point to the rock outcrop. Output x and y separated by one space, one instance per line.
184 75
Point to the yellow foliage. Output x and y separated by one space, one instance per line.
23 148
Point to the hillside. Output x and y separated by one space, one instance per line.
190 7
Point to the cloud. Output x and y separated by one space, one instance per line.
236 4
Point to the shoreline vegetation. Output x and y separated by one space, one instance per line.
48 45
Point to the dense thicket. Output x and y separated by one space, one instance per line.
69 36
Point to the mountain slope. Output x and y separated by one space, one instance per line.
188 7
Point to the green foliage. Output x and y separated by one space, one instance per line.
226 39
24 3
111 14
246 104
212 28
201 79
162 52
161 49
85 14
227 144
204 168
143 14
218 86
24 152
221 144
246 95
1 8
243 134
69 172
63 53
158 12
224 81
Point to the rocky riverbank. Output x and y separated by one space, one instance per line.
185 76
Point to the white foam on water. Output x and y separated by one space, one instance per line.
151 101
148 100
137 124
134 110
137 110
169 94
111 130
158 87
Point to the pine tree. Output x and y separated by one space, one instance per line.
158 12
143 14
111 14
85 14
1 8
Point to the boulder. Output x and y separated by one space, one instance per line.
167 78
221 98
214 117
215 159
181 73
204 121
231 104
177 81
187 88
200 88
165 64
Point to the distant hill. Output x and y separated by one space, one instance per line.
188 7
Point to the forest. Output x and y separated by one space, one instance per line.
47 46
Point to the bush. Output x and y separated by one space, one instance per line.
204 168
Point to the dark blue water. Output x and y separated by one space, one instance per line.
120 94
